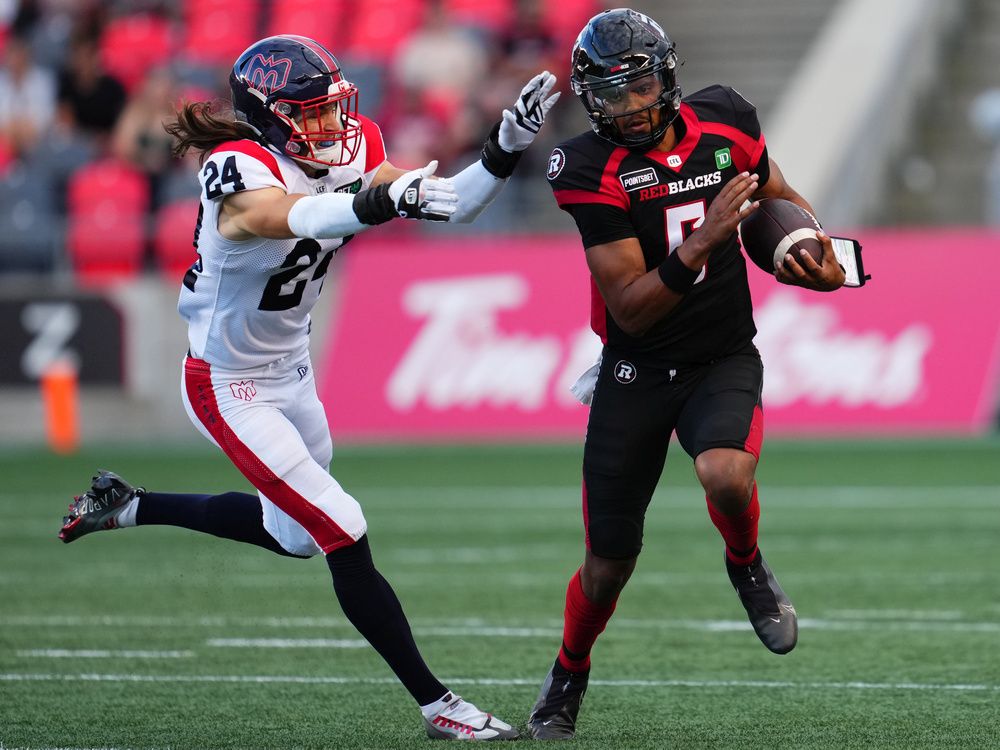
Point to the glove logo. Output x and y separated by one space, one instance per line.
410 196
556 163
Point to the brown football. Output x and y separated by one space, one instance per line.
778 227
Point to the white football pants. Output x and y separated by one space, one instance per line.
271 424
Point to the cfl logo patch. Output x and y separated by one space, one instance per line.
625 372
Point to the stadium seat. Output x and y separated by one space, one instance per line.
133 45
173 237
380 26
567 17
326 21
486 14
109 186
217 31
105 247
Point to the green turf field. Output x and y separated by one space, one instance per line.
160 638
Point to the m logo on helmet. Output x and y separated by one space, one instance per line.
266 74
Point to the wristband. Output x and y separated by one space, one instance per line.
498 162
675 275
374 206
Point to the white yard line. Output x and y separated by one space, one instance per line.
334 680
258 643
876 620
66 653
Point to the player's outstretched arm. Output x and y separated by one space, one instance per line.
479 183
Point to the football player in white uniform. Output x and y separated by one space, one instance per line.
285 184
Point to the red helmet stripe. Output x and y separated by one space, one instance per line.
322 52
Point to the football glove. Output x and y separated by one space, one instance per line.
519 127
416 195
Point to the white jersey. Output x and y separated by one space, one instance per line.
247 303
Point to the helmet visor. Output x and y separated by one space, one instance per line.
627 98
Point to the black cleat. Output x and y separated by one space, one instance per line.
97 509
553 716
770 611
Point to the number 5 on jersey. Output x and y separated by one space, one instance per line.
680 221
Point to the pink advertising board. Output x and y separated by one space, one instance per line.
481 338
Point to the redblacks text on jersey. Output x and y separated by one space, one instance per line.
660 198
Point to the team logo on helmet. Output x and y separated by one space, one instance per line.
556 163
267 74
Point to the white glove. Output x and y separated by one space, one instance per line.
417 195
519 128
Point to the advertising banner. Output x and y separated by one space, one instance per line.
481 338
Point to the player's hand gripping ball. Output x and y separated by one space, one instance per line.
776 228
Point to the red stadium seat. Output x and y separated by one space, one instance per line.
105 247
380 26
173 237
488 14
107 186
133 45
326 21
219 30
567 17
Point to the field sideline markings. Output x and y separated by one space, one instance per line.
924 622
507 682
67 653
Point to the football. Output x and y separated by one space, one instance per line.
778 227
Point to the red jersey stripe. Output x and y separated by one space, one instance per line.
571 197
747 146
374 144
201 394
256 151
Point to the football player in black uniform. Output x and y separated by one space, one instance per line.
657 191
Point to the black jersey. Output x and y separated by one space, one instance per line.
660 198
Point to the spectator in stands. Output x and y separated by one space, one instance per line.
985 115
27 97
89 97
139 137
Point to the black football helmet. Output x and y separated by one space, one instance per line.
284 87
616 49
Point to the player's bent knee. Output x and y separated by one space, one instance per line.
615 539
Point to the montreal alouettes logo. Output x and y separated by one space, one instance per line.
556 163
266 74
244 390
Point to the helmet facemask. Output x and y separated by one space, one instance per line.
325 130
614 104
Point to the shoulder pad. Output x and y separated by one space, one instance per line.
584 170
236 166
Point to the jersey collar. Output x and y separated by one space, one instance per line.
682 150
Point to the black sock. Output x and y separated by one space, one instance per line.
232 515
372 607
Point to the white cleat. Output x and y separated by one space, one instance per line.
460 720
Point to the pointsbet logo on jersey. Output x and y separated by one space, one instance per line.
680 186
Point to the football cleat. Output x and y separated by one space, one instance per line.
97 509
460 720
553 717
769 609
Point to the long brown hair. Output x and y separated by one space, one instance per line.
198 127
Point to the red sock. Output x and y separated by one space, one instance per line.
739 531
583 622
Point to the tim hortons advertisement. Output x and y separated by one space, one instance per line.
482 338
